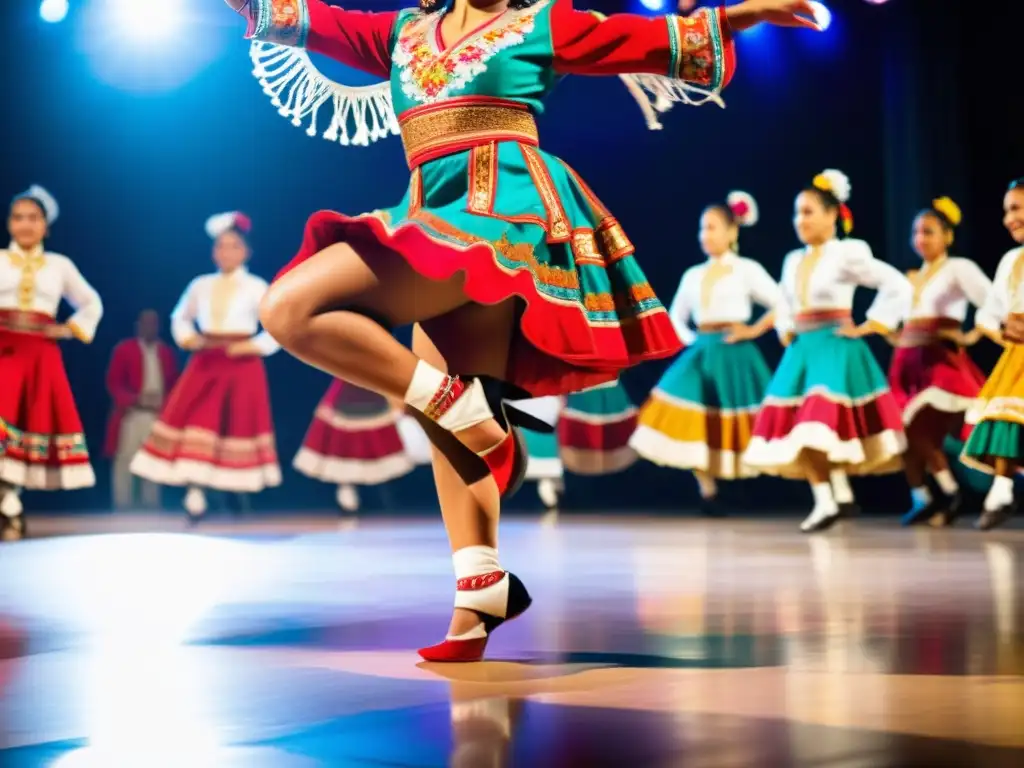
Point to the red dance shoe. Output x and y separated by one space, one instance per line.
470 645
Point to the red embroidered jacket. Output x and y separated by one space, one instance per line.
124 383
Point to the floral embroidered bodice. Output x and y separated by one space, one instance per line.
501 58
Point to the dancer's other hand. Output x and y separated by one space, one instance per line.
857 331
1013 331
779 13
242 349
961 339
685 6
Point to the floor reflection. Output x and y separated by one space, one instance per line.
697 643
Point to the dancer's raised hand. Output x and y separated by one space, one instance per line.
779 13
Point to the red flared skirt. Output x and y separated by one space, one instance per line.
215 430
556 350
594 430
937 377
353 439
42 445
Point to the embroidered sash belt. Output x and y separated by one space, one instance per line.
812 321
922 331
20 321
455 125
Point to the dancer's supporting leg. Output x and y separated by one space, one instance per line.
826 510
925 435
350 345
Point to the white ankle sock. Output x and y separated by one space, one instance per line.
823 497
921 496
946 481
706 485
467 409
1000 494
841 489
491 599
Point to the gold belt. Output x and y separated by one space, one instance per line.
455 125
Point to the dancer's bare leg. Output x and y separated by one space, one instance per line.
470 512
321 312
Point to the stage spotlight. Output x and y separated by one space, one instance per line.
653 5
147 20
53 11
822 15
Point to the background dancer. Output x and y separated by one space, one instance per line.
42 445
216 430
353 441
931 376
701 413
142 371
594 429
828 410
996 444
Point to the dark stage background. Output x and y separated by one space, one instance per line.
141 145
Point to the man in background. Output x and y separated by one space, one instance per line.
142 371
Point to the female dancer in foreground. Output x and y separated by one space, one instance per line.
828 410
215 430
932 378
511 266
701 414
996 444
41 441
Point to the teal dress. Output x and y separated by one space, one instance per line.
484 200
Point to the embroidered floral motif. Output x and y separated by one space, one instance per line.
429 75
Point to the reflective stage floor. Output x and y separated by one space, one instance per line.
663 643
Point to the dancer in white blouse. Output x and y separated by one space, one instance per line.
700 415
42 445
216 429
996 443
828 411
932 378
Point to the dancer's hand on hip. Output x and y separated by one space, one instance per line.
779 13
242 349
1013 331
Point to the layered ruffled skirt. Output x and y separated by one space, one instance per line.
594 430
42 445
701 414
515 221
827 395
354 439
998 415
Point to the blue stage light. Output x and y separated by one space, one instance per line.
653 5
53 11
147 20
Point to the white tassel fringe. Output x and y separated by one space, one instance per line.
655 93
361 114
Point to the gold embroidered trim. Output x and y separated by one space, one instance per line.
29 264
613 240
920 278
483 177
804 272
558 223
415 191
452 128
715 272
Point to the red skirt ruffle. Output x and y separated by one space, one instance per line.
936 376
215 430
353 439
42 445
557 351
596 444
